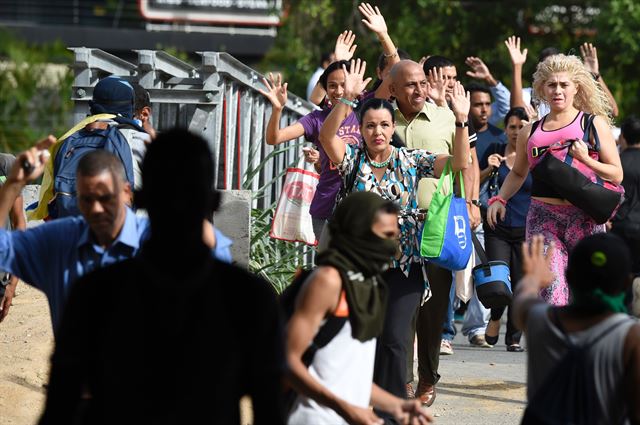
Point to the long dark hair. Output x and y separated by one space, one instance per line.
333 67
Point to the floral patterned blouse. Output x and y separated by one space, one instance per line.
398 184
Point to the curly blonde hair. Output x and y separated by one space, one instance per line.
589 98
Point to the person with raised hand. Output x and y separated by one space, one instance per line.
344 50
332 80
393 173
500 106
591 341
564 84
374 21
589 54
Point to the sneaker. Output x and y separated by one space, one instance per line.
410 392
445 348
479 341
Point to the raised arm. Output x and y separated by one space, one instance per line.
374 20
518 58
501 96
537 275
277 94
460 103
353 85
590 59
343 50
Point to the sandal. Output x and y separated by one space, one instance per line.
515 348
491 339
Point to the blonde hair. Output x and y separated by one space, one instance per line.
590 96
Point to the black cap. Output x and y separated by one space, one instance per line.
600 261
113 95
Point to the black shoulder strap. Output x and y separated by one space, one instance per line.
347 186
534 127
589 129
327 332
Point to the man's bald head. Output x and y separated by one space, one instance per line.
409 87
403 67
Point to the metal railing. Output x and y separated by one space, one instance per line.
217 99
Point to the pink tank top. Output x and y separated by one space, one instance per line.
542 138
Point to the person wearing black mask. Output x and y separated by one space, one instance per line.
337 386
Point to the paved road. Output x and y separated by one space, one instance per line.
481 385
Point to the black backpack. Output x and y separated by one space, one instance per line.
568 395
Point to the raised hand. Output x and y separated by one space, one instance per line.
436 86
373 19
354 84
29 165
534 261
479 70
532 113
276 91
590 57
518 57
460 102
345 48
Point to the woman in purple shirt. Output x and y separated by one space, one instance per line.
332 81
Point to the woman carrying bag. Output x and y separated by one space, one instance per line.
392 173
504 242
564 83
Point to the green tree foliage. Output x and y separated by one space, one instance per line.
458 29
34 92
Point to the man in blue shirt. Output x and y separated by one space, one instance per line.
53 255
480 114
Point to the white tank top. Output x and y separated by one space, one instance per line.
344 367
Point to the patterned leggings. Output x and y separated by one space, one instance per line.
566 225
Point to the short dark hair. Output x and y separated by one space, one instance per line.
142 98
325 57
436 61
99 161
630 129
332 67
375 103
546 52
475 87
382 59
518 112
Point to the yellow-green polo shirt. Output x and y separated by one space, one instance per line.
433 129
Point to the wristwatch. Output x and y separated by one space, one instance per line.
475 202
462 124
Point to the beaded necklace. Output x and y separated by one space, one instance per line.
382 164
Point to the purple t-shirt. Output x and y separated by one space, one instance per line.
330 180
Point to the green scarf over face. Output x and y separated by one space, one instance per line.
360 256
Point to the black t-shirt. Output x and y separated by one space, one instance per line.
151 348
628 217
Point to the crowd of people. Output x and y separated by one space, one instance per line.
175 342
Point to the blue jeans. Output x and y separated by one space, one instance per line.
449 328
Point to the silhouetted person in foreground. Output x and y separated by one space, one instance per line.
172 336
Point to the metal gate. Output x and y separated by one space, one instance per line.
218 99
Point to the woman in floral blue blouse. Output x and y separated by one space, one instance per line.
392 173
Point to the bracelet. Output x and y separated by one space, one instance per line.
390 55
495 199
352 103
